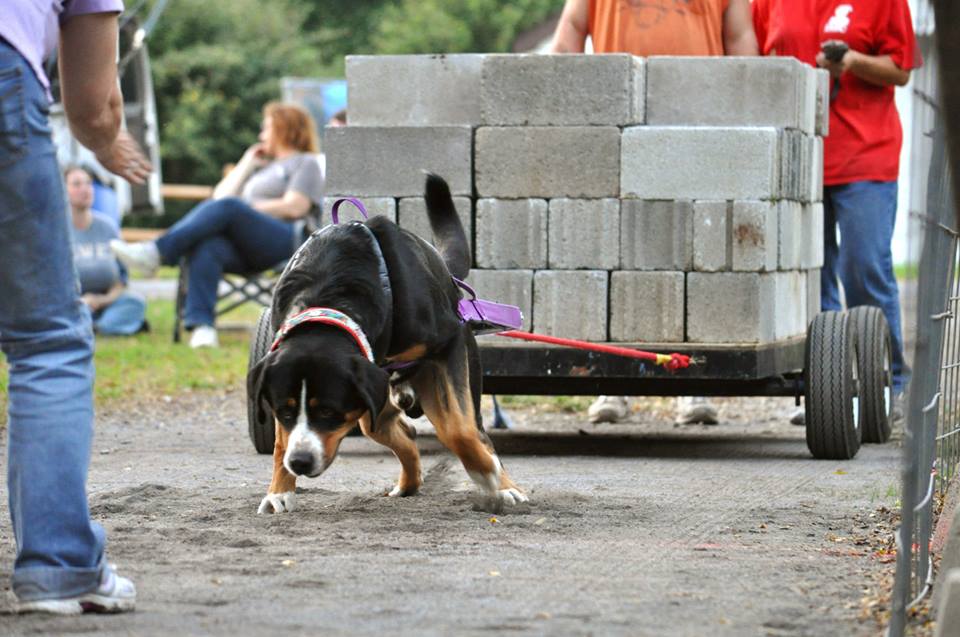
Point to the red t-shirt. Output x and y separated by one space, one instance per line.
865 134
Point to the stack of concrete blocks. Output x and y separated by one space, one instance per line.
613 198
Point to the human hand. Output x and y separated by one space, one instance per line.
836 57
256 155
93 301
124 158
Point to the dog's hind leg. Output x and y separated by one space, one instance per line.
280 496
394 433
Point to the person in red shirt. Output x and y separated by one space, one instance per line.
862 150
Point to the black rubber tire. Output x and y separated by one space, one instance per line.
875 362
830 387
262 434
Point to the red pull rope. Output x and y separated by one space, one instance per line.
672 362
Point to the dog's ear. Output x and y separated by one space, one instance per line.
256 377
373 386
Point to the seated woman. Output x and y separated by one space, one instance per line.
255 220
103 282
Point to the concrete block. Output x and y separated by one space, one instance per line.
711 230
948 612
753 236
383 206
822 78
730 91
571 303
513 287
813 293
412 216
414 90
647 306
656 235
731 307
389 162
562 90
699 163
812 233
584 234
816 170
511 233
790 304
545 161
790 235
791 164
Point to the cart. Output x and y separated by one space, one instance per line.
842 367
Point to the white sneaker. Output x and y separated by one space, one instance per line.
608 409
799 417
695 410
142 256
115 594
204 336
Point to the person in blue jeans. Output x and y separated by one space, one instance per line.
116 310
255 220
45 332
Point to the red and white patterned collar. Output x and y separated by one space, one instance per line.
327 316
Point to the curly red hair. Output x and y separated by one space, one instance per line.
293 126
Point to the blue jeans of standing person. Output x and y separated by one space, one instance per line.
223 235
865 212
46 336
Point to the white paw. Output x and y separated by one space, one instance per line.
278 503
511 496
395 492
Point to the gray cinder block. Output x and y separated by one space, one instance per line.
389 162
711 232
699 163
647 306
584 234
731 307
511 233
816 170
414 90
812 223
730 91
656 235
813 293
383 206
571 304
548 161
823 82
948 611
753 236
562 90
791 236
412 216
790 304
513 287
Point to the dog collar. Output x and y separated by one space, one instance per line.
326 316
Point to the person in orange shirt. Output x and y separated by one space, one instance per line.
656 27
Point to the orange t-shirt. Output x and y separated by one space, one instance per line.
657 27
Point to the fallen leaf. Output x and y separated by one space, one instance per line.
540 521
494 573
288 563
839 472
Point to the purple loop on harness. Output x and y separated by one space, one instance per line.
335 211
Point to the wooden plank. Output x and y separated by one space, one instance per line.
190 192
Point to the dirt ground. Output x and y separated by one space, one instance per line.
636 529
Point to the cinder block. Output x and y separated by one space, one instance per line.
413 217
948 611
712 250
813 293
731 307
790 304
656 235
791 236
414 90
699 163
730 91
571 303
584 234
823 82
812 254
511 233
816 170
753 236
547 161
791 164
513 287
647 306
383 206
562 90
389 162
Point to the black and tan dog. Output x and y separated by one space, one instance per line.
353 300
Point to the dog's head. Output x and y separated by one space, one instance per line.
341 386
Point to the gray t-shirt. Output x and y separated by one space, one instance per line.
97 267
298 172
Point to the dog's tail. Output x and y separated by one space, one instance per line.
447 230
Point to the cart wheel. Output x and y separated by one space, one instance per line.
875 364
262 434
830 387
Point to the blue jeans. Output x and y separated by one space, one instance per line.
223 235
123 317
865 211
46 336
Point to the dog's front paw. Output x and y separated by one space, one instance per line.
511 496
402 492
278 503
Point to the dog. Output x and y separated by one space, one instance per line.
367 323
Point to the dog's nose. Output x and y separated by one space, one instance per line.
301 463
